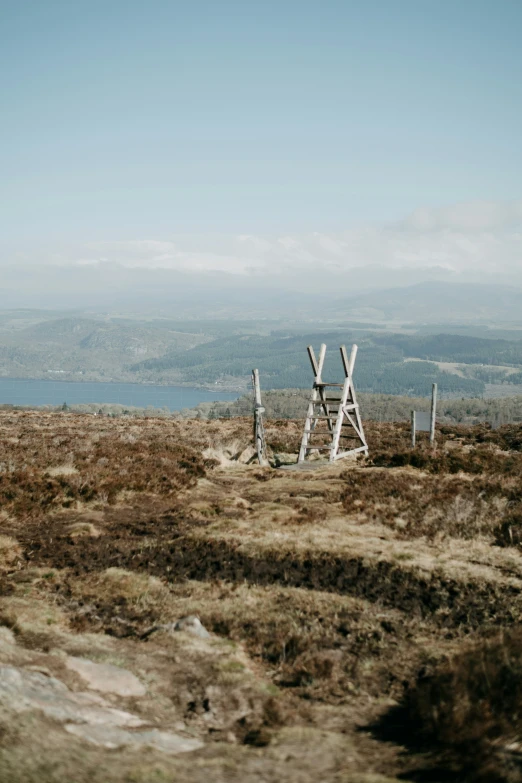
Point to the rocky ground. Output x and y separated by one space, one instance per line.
169 611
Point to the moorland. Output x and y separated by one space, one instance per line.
356 622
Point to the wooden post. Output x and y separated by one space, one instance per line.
257 388
259 430
353 356
322 354
413 429
433 413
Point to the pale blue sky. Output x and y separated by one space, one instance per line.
128 120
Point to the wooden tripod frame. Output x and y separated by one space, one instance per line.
341 414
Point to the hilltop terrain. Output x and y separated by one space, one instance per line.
355 622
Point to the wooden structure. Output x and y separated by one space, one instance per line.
259 430
333 422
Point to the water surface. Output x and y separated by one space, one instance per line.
22 391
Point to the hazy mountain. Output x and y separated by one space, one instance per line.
83 348
436 302
335 295
171 292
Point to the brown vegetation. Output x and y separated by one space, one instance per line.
419 504
468 708
355 595
49 464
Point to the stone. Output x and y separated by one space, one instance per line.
191 624
86 715
113 738
247 455
106 678
83 530
41 669
22 690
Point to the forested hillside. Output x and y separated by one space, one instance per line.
283 361
455 348
85 348
221 354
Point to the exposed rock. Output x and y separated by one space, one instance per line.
83 529
112 737
247 455
191 624
22 690
39 668
282 458
106 678
88 715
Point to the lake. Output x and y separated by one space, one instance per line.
22 391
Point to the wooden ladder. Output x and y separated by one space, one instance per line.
340 413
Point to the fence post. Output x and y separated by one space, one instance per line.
433 413
413 429
259 430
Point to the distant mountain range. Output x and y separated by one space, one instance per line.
436 302
179 295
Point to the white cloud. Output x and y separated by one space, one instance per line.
473 216
188 254
481 240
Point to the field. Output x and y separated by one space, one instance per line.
363 619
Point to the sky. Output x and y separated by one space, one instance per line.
251 136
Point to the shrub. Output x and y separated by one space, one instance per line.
425 505
476 460
471 706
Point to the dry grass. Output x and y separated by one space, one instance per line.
10 553
325 645
57 462
331 589
415 504
467 710
453 458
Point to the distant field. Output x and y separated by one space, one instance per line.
483 372
501 390
460 369
451 367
